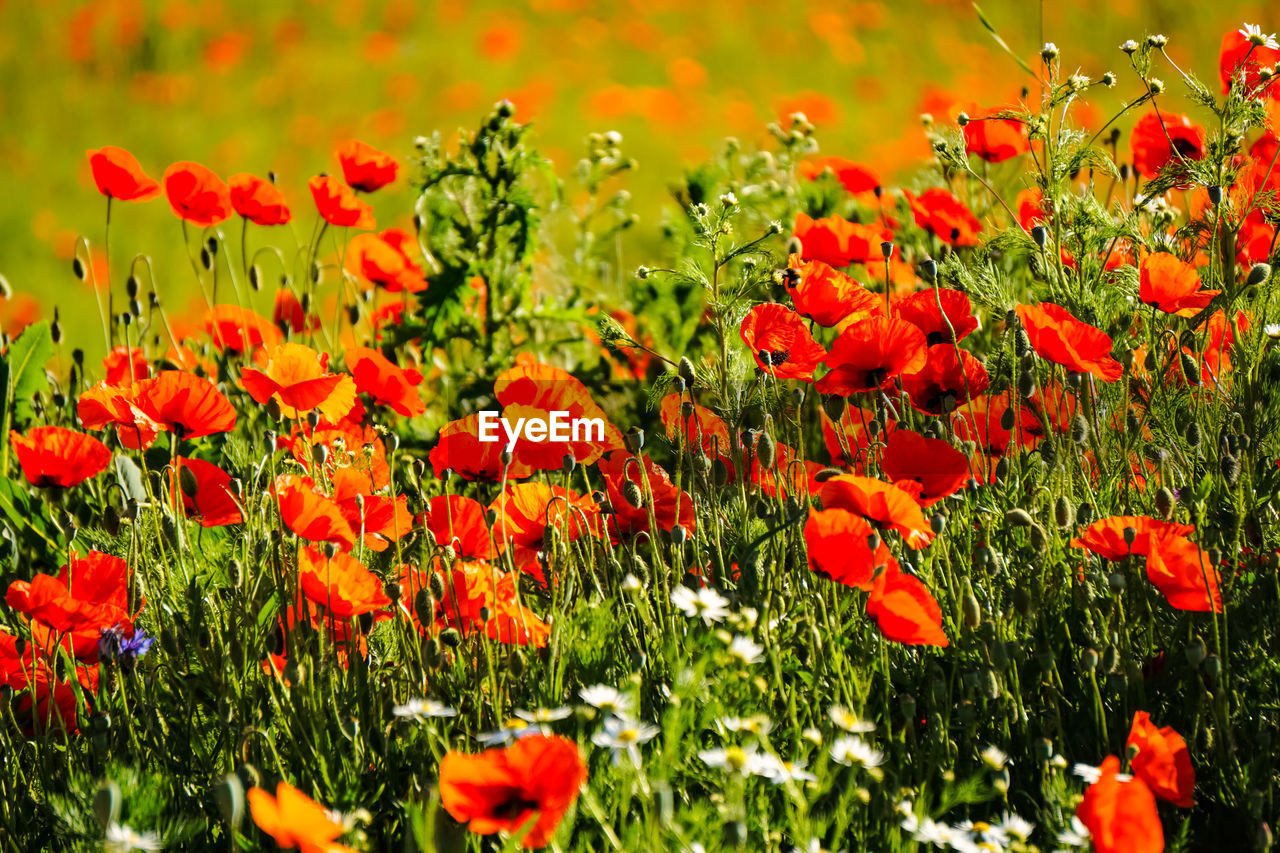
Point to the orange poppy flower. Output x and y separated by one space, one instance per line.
185 404
119 175
44 701
932 467
525 511
103 405
258 200
310 514
364 167
1167 283
855 177
504 790
295 376
338 205
385 382
196 194
699 426
348 445
341 584
825 295
838 242
1152 135
848 441
125 364
380 260
382 519
461 451
534 391
459 522
790 473
904 610
295 820
56 456
948 378
839 546
951 322
781 343
1062 339
670 505
882 503
1184 574
239 329
212 502
89 593
870 354
1162 761
945 216
1030 206
1232 61
995 139
472 590
1106 536
1121 815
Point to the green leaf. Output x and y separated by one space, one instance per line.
27 357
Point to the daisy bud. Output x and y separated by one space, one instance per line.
1049 52
1129 47
1156 85
1157 41
1109 80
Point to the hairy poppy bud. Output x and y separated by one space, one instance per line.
1258 273
1190 369
187 481
1039 235
1039 537
1079 429
766 451
436 586
1063 513
1084 514
632 494
1164 503
970 609
451 638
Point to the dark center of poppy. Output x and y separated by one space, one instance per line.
775 357
513 808
876 377
1187 148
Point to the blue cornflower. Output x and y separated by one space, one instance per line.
115 645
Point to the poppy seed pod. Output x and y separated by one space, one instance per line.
928 270
634 439
1039 235
632 494
1195 652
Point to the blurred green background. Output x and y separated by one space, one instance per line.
258 86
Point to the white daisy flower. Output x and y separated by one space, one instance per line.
1017 827
745 652
849 721
736 760
420 710
994 758
781 772
1257 38
1076 836
853 750
705 604
543 716
625 735
607 699
122 839
757 724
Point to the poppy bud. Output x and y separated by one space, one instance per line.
1002 468
187 480
1026 383
1039 537
1230 469
451 638
1018 518
229 796
111 520
1048 451
938 523
1190 369
632 494
1164 503
719 472
1039 235
1212 667
1079 429
1110 658
1089 659
970 608
766 451
1117 582
1007 420
928 270
1258 273
1063 514
516 663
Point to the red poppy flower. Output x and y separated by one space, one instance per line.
385 382
44 701
825 295
1165 282
1184 574
239 329
295 376
951 322
848 441
525 511
381 260
945 216
461 451
185 404
855 177
1162 761
781 343
295 820
56 456
698 425
904 610
288 313
459 522
949 377
837 241
1120 815
338 205
882 503
341 584
670 506
1152 135
839 546
996 139
347 445
196 194
212 502
1062 339
89 593
474 590
103 405
1235 48
364 167
503 790
381 519
534 392
1106 536
933 467
125 364
980 420
870 354
790 474
258 200
1030 205
118 175
310 514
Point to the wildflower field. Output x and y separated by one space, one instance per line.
477 490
